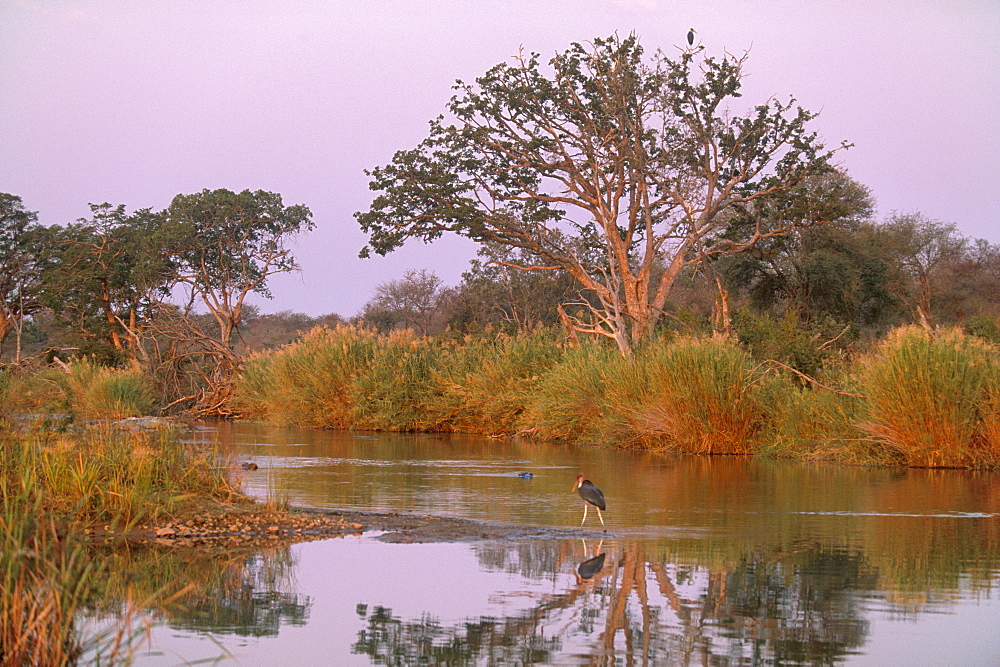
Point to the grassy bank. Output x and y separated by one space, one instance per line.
64 472
54 488
911 399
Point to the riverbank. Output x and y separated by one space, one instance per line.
914 398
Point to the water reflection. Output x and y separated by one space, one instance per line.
709 561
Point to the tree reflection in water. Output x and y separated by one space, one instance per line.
252 599
238 592
800 606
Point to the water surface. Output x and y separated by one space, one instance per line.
718 560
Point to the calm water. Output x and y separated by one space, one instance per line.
706 561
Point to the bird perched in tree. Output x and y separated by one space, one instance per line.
691 34
591 496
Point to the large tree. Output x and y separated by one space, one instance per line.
222 246
617 168
225 245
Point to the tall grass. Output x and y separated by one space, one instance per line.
87 391
42 584
309 382
107 476
702 397
484 386
933 401
52 486
916 400
394 393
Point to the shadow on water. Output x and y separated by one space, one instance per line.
707 561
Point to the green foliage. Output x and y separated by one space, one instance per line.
933 401
21 255
984 327
805 346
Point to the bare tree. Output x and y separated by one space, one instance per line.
414 301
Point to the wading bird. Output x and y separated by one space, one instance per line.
691 34
591 496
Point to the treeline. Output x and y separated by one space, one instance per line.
860 275
165 291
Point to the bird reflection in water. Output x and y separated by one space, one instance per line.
590 567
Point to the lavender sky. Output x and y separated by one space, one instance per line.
133 102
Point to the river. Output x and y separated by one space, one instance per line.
721 561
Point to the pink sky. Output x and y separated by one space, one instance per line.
135 102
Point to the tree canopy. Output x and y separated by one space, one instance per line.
617 168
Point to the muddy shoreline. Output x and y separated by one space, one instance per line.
403 528
256 527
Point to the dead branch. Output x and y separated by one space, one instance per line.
809 379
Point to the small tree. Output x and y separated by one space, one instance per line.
618 169
496 293
925 249
20 274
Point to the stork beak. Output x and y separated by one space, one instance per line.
576 484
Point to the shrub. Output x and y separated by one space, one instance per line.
101 392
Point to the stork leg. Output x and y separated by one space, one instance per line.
585 508
599 516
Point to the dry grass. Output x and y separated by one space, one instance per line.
933 401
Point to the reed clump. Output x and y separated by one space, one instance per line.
309 382
394 392
702 397
933 399
81 391
575 399
484 385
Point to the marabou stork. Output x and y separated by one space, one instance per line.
591 496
